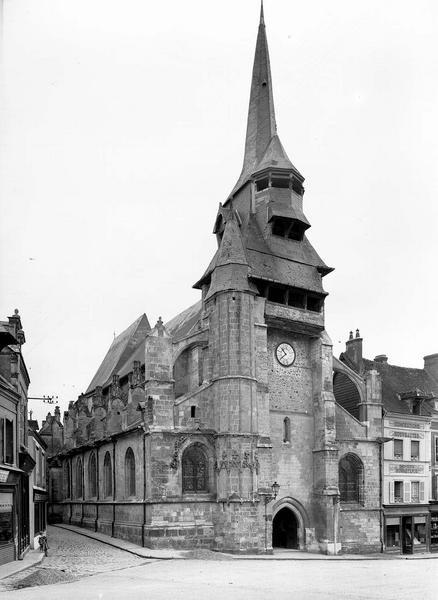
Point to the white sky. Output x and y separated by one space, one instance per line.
122 127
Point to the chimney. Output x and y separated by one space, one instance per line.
57 414
353 349
381 358
431 366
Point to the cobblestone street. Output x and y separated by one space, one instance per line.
72 556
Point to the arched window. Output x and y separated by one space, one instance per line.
67 490
79 478
286 429
129 473
92 476
107 476
351 482
194 470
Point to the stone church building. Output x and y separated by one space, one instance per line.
219 429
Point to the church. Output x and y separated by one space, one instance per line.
219 429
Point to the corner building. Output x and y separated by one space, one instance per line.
186 427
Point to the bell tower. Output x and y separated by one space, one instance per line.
271 359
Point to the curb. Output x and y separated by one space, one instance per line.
20 566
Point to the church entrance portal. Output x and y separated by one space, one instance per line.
285 530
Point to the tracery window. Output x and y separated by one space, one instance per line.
351 479
92 476
129 473
194 470
107 476
79 479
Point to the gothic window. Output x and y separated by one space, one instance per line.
92 476
107 476
286 429
67 480
79 478
194 470
129 473
351 479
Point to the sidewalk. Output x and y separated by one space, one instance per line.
123 544
280 555
32 558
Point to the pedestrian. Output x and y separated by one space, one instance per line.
44 546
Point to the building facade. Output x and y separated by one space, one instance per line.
16 463
407 396
187 429
38 493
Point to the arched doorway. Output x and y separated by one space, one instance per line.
285 529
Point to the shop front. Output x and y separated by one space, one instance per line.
407 529
14 514
433 547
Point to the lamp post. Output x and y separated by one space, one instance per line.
268 496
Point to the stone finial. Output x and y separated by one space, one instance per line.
160 327
357 333
16 311
115 387
351 335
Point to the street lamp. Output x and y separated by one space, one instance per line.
267 497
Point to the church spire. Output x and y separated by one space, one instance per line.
261 131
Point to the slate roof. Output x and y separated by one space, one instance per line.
185 323
398 380
296 270
121 349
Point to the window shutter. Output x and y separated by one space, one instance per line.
391 492
407 491
421 491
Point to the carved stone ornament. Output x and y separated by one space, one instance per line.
235 462
174 463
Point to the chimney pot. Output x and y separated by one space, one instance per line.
381 358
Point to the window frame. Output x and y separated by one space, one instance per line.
396 455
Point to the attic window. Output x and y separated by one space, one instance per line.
192 412
416 407
262 184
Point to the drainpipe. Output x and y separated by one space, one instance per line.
381 441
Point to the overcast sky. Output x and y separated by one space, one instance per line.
122 128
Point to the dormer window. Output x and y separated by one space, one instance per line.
288 228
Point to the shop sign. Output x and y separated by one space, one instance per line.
406 468
407 434
407 424
3 476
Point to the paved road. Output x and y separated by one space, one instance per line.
102 572
258 580
72 556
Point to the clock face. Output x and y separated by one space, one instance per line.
285 354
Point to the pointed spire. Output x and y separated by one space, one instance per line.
261 114
261 126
